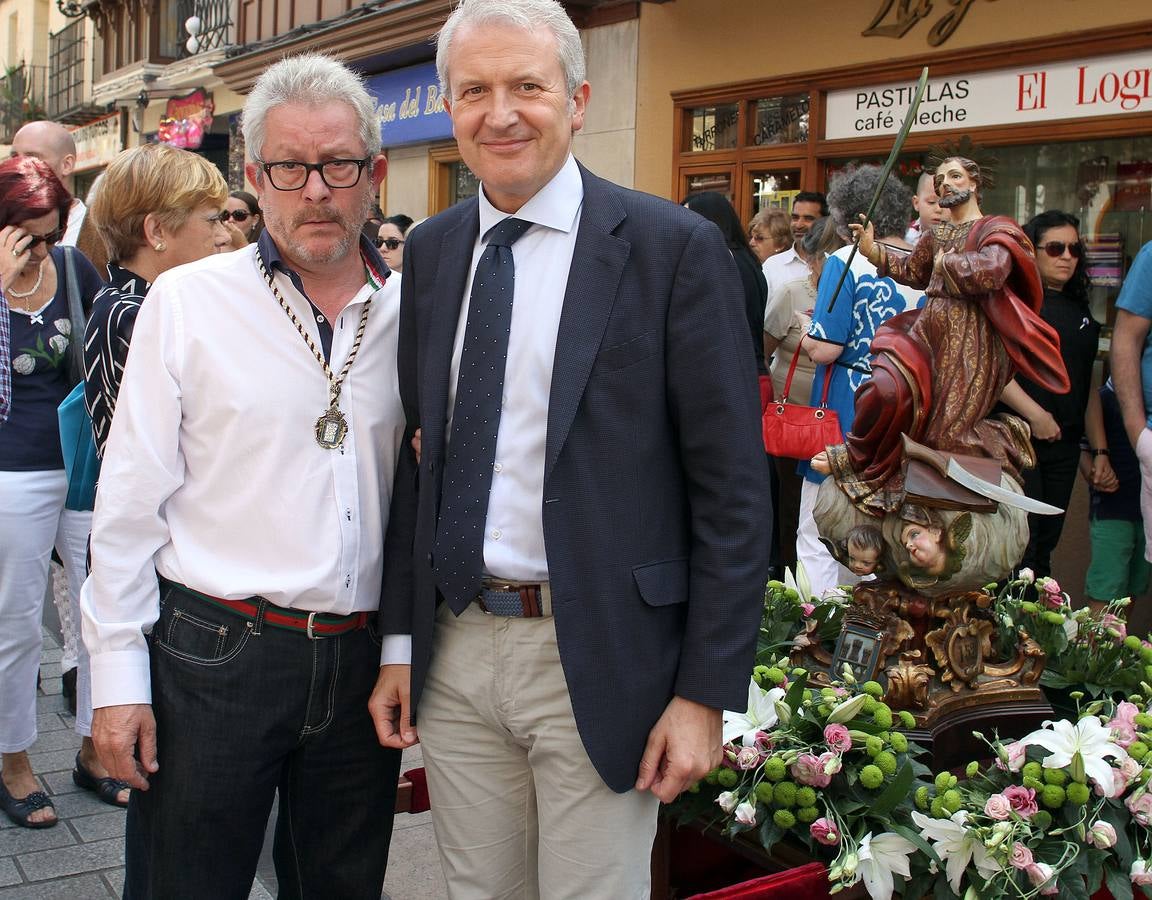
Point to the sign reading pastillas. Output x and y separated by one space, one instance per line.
1105 86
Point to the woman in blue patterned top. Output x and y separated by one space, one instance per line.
48 290
840 337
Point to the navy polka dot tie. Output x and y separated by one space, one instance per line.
459 549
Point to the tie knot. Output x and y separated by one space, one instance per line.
507 232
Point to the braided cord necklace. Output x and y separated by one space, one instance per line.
331 427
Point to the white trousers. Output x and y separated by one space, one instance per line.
518 809
32 521
823 571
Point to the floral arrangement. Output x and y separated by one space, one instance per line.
1086 651
1059 812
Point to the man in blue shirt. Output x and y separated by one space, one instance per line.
1131 360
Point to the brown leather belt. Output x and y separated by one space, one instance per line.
515 599
312 624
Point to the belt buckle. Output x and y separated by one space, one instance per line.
308 630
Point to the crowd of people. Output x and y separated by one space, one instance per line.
365 481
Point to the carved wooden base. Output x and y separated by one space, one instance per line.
938 658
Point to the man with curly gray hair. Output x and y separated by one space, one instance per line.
236 550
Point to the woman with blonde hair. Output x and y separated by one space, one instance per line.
158 207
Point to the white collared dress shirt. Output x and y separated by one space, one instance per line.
212 475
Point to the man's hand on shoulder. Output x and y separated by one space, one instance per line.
683 746
125 739
390 709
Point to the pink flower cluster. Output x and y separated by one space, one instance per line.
816 771
1123 724
1051 593
1013 799
824 832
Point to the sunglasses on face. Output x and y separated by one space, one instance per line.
237 216
390 243
1056 249
50 238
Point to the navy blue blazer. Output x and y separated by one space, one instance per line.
657 512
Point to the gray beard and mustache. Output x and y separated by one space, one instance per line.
955 198
339 250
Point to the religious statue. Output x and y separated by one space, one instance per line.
925 492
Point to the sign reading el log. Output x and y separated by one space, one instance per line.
1104 86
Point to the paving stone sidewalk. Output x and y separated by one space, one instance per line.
82 858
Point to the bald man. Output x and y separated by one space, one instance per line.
53 143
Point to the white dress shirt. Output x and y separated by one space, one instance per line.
76 213
778 271
514 532
213 476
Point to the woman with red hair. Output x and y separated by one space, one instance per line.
48 291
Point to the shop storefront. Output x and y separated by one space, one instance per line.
96 144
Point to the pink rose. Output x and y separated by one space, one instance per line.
830 763
1140 805
824 832
1022 800
746 813
1102 835
998 807
1021 856
763 742
808 769
748 758
1039 874
807 609
1123 724
1016 757
727 801
1139 873
1053 596
838 738
1115 625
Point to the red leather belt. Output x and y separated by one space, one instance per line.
311 624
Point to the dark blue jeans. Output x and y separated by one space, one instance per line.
243 711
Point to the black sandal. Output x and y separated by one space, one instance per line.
107 789
20 811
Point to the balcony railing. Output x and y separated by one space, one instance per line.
211 26
21 98
66 64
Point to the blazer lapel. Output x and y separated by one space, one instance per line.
598 262
453 258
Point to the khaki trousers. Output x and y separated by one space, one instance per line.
518 809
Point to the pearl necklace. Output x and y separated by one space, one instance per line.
20 295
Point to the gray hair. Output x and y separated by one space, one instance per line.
526 14
312 79
850 193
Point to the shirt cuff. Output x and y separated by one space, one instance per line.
396 650
121 677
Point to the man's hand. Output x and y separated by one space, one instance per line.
117 731
390 708
683 746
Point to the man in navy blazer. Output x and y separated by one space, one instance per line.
626 537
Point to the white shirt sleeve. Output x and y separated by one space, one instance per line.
143 466
396 650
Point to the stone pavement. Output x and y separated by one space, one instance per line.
82 858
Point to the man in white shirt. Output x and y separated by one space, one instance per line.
249 466
592 513
53 143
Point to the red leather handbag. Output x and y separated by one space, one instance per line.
794 431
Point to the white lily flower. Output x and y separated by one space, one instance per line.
799 582
1088 737
760 716
880 856
956 846
846 710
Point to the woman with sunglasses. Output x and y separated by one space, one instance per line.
48 290
243 211
1060 421
390 240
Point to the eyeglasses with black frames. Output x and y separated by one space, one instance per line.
237 216
289 175
390 243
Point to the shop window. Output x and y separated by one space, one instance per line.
774 189
712 128
462 184
780 120
720 182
